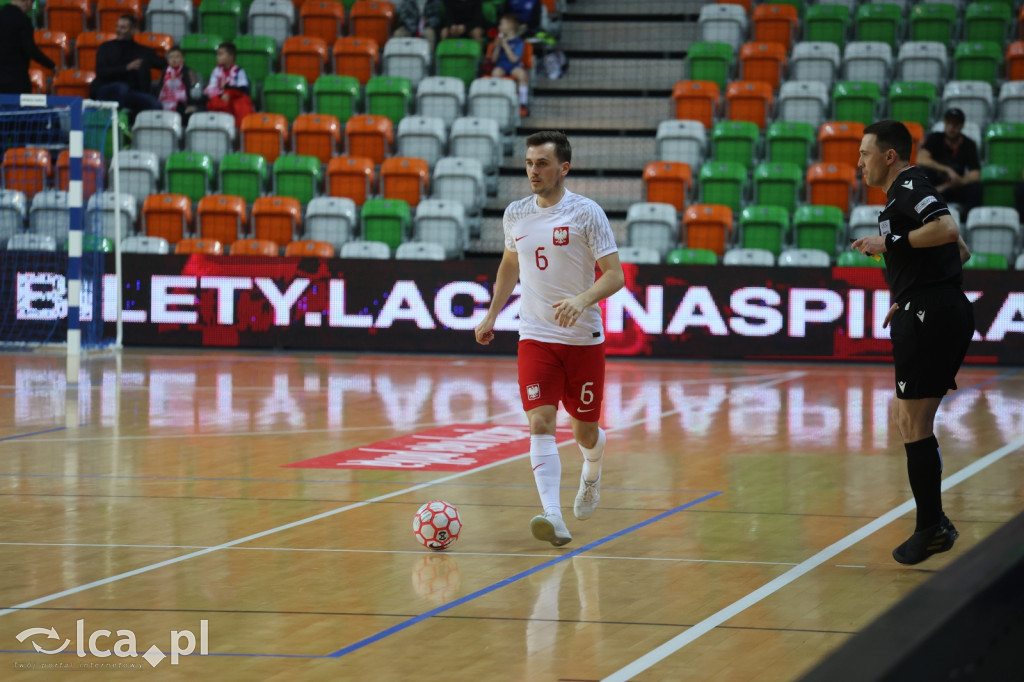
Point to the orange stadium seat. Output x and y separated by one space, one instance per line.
707 226
762 62
265 134
372 19
210 247
324 19
309 248
697 101
73 83
69 16
167 216
316 135
351 177
305 56
749 101
774 23
839 141
86 46
109 11
276 219
254 247
221 217
92 171
405 178
159 43
832 184
26 169
668 182
1015 60
37 76
356 57
54 44
369 136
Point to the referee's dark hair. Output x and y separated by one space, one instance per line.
893 135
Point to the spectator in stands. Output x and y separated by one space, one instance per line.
228 90
528 12
506 55
181 89
463 18
951 161
420 18
122 69
18 48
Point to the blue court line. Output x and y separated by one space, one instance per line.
515 578
35 433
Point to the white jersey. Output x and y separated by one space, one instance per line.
558 248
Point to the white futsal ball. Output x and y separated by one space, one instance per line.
437 525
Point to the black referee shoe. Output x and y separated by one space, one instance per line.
924 543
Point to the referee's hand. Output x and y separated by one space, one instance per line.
888 315
870 246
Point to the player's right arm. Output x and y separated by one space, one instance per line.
504 284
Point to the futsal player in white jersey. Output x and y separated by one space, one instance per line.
552 241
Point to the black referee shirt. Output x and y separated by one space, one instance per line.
912 202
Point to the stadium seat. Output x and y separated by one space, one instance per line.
351 177
221 18
27 170
190 174
480 139
256 54
389 96
974 98
210 247
778 184
200 51
711 61
221 217
804 258
879 22
832 184
265 135
413 250
1015 61
70 17
815 61
707 226
13 209
286 94
309 248
158 132
112 211
789 142
274 18
749 101
139 173
331 220
168 216
442 222
386 220
86 46
857 102
458 58
774 23
978 61
987 261
827 23
692 256
356 57
305 56
764 228
856 259
864 221
211 132
764 62
639 255
1005 145
92 171
868 62
933 21
172 17
735 141
141 243
373 19
994 229
316 135
425 138
336 96
254 247
49 214
723 24
697 101
803 101
668 182
369 136
749 257
407 58
997 185
359 248
987 21
683 141
723 183
323 19
158 42
404 178
54 44
1011 102
1019 263
440 97
926 62
912 102
73 83
297 176
653 225
244 175
818 227
462 180
30 241
839 141
276 219
495 98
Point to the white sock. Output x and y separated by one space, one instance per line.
592 458
524 93
547 472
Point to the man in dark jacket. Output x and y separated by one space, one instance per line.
122 70
18 48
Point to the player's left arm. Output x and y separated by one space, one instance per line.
568 310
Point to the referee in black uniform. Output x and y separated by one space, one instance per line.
932 320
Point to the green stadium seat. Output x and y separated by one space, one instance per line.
285 94
221 17
764 227
389 96
789 142
459 58
692 257
201 52
978 61
189 173
856 101
337 96
827 24
997 185
735 141
1005 144
711 62
778 184
933 22
879 22
298 176
987 21
723 183
987 261
255 54
96 125
92 243
243 175
386 220
913 101
818 227
856 259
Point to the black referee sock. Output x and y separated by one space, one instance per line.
924 467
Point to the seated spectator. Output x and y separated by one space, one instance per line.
528 13
181 89
420 19
228 90
952 163
463 18
122 69
506 56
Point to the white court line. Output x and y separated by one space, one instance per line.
782 378
703 627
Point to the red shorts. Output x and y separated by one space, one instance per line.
553 372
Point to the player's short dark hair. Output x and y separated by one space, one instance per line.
563 150
228 47
132 24
893 135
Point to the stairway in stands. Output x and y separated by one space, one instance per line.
624 58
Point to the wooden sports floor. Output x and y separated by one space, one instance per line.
747 516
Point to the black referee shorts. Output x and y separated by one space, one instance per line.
930 333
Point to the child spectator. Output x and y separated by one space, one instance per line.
420 18
228 90
463 18
181 89
527 11
506 54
